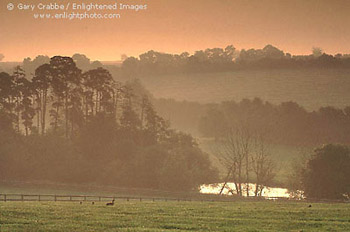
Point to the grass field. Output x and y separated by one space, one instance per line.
310 88
174 216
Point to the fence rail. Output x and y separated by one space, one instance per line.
93 198
85 198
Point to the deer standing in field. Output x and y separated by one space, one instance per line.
110 203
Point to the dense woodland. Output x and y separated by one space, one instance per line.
228 59
66 125
205 61
287 123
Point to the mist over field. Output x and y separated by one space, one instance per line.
123 124
311 88
181 115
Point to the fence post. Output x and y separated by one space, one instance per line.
140 199
99 198
70 198
22 198
84 198
127 199
153 199
55 198
39 197
5 197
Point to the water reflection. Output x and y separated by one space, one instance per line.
267 192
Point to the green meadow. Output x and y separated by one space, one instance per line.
174 216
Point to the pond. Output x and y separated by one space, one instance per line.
268 192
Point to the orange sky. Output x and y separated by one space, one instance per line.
174 26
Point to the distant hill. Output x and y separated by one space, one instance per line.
311 88
8 66
117 63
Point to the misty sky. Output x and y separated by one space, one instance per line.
174 26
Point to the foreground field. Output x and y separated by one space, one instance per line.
174 216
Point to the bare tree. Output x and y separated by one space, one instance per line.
233 154
262 164
242 154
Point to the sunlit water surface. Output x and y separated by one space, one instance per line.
268 192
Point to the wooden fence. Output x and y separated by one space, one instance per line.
89 198
84 198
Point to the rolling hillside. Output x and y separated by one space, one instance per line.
311 88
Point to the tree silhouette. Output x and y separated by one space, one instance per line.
19 88
42 83
109 129
317 51
66 78
99 91
28 112
327 174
